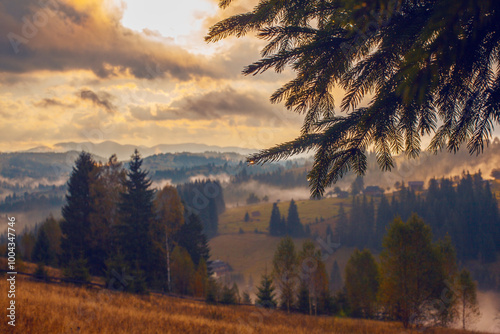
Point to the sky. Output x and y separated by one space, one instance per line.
134 72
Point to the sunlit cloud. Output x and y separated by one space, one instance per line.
79 71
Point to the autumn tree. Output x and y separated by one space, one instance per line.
105 191
201 279
412 271
26 243
285 271
320 291
183 271
447 312
308 258
467 298
169 218
361 282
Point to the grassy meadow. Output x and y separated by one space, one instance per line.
50 308
232 219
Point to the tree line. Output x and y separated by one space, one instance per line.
467 210
416 281
115 225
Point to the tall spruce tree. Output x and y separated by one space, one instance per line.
136 215
294 226
275 221
75 226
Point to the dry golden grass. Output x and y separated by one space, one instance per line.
49 308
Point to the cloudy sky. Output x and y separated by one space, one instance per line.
135 72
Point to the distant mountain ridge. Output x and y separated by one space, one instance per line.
124 151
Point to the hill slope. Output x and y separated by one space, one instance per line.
49 308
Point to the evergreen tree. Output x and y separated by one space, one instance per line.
355 223
335 279
364 232
357 186
371 241
384 217
342 225
43 252
228 296
265 295
303 298
275 221
307 231
75 227
77 271
329 233
245 298
212 296
294 226
283 226
236 293
205 199
191 237
247 217
136 216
